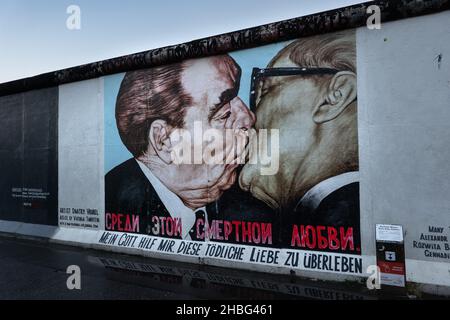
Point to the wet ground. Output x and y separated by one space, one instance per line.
38 270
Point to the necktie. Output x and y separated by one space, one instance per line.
199 214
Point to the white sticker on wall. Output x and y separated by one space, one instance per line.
389 232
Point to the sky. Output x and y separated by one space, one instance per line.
35 38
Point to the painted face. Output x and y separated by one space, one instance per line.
286 103
213 84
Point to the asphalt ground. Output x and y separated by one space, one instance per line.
33 269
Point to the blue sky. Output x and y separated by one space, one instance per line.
35 39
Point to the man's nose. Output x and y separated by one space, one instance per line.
242 117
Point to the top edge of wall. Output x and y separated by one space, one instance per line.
319 23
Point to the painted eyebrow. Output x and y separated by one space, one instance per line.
225 97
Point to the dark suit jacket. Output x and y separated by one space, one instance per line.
128 191
238 205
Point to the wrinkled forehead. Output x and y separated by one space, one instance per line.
282 61
212 73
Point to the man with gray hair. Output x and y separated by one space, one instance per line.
150 193
153 194
309 92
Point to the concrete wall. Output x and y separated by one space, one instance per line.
403 95
81 154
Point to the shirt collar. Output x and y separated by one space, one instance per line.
172 202
312 199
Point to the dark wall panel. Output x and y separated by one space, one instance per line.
28 157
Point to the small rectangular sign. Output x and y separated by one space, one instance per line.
389 232
391 254
394 280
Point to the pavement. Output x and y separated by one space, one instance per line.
33 269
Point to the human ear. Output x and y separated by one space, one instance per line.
160 140
341 92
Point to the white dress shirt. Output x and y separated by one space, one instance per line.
173 203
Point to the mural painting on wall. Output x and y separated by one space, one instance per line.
228 150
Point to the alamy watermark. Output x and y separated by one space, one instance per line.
227 146
74 280
374 20
374 280
73 22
